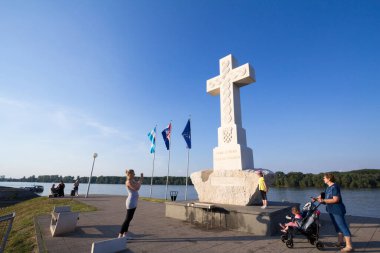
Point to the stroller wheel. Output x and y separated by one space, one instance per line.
319 245
289 243
284 238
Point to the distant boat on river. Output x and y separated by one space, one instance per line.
35 188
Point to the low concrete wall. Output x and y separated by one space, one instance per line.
250 219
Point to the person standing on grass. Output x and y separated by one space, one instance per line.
263 189
76 187
133 187
336 210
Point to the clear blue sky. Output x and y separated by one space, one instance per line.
78 77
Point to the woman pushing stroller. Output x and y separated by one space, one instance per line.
309 225
336 210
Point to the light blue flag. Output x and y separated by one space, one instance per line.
152 138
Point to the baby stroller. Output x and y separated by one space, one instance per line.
309 226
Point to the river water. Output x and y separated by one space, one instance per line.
359 202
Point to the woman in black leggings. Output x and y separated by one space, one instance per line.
133 187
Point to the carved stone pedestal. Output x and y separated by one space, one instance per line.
232 187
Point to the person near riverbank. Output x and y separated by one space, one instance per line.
76 187
336 210
263 189
54 191
133 187
61 189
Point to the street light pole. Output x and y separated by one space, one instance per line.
89 180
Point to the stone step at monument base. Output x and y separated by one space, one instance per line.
250 219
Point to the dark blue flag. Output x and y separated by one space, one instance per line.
187 134
166 135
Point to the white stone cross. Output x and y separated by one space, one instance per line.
232 152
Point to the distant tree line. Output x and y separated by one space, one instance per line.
96 180
366 178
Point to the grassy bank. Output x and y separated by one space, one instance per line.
23 237
152 199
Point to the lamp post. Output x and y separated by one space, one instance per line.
89 180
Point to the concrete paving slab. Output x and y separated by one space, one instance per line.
153 232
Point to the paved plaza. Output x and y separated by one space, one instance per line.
151 231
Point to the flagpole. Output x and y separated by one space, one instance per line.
187 173
154 157
167 177
188 162
151 180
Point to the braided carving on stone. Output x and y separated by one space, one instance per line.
212 84
227 101
239 74
227 134
225 83
226 86
225 68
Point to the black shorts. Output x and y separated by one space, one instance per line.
263 195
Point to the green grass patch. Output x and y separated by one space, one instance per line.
153 200
23 236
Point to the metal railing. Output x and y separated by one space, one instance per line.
5 228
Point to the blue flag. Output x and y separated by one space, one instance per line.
187 134
166 135
152 138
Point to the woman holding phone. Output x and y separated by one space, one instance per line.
133 187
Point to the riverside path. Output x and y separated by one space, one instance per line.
151 231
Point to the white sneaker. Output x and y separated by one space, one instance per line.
263 207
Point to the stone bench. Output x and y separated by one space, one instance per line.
60 209
207 206
6 222
109 246
63 220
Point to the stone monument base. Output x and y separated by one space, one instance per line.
250 219
231 187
